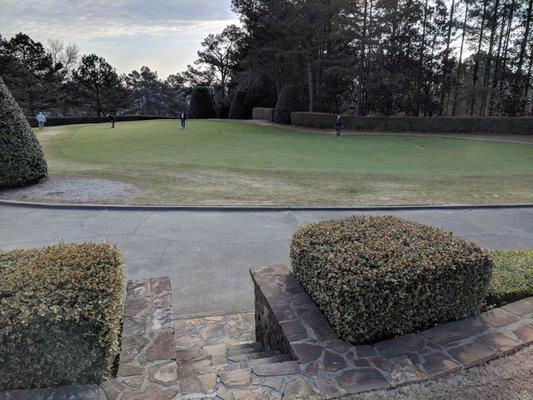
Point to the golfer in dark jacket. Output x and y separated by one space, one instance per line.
112 119
183 118
338 126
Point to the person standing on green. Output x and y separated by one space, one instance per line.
41 120
338 126
112 119
183 118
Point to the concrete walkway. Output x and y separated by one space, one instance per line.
207 254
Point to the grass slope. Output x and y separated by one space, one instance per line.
215 162
512 277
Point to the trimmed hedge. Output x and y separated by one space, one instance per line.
60 315
376 277
201 105
288 101
512 277
490 125
264 113
239 108
57 121
21 155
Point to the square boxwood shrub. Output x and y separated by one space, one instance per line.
376 277
60 313
512 277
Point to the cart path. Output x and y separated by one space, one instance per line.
207 254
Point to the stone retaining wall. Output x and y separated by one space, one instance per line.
147 367
288 320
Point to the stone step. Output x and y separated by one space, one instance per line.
254 356
193 369
279 358
244 348
277 369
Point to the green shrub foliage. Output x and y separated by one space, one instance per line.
376 277
512 277
239 107
60 313
201 105
263 113
21 156
289 100
485 125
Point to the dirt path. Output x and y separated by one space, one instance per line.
73 189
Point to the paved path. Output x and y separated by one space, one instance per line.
207 254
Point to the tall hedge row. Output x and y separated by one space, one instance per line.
60 315
201 105
21 156
483 125
376 277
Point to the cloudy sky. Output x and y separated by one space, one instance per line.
163 34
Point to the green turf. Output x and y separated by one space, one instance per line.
512 277
230 145
283 166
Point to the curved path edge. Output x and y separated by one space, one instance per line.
255 208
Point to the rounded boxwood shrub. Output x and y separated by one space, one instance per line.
263 113
201 105
60 313
21 156
376 277
289 100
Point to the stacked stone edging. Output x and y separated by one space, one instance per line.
289 321
147 367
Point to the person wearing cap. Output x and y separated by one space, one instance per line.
338 126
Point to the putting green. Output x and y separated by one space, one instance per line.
244 163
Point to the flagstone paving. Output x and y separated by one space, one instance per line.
218 356
170 358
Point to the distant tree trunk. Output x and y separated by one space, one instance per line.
98 104
459 66
508 32
311 86
476 62
497 66
523 52
488 63
447 72
360 107
528 76
524 40
419 82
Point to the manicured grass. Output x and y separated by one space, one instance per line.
216 162
512 277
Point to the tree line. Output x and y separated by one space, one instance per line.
365 57
411 57
55 78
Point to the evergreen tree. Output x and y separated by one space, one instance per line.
201 105
21 156
99 85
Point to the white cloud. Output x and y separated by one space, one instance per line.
111 27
